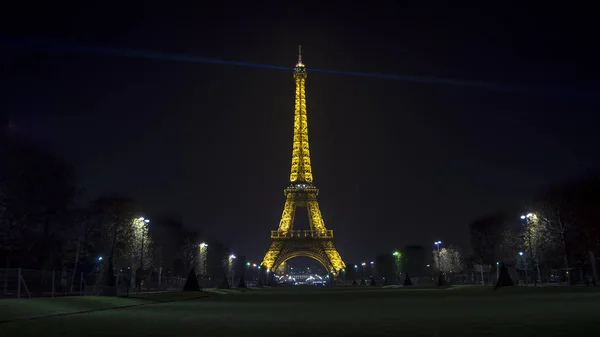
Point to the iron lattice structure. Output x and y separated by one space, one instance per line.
316 243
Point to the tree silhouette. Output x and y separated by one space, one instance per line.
191 284
504 279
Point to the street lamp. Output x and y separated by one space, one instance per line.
363 269
144 222
231 258
438 243
530 244
202 258
525 266
397 256
373 269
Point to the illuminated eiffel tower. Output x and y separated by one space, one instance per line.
316 243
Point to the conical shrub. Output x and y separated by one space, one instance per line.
191 284
504 279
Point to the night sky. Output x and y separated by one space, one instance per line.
397 162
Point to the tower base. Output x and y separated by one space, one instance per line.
321 249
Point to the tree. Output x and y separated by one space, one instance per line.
190 249
584 196
117 214
83 235
556 212
140 248
486 237
536 238
37 191
481 269
447 260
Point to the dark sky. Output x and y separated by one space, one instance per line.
397 162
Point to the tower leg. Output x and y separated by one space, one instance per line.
287 217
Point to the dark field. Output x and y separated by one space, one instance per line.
339 311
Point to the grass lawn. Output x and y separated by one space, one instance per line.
335 311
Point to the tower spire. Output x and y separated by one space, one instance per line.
301 171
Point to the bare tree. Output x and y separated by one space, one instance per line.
190 249
448 260
117 215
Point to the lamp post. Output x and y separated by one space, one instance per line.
525 265
437 244
144 223
363 269
532 254
231 258
373 269
397 256
267 280
432 272
497 271
202 258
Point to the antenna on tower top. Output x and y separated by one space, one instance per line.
299 54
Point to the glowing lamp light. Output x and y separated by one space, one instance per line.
146 220
248 264
522 217
363 264
231 257
203 245
99 258
521 253
254 265
141 218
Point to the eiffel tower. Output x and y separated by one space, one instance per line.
316 243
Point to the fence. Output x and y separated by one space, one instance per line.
28 283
